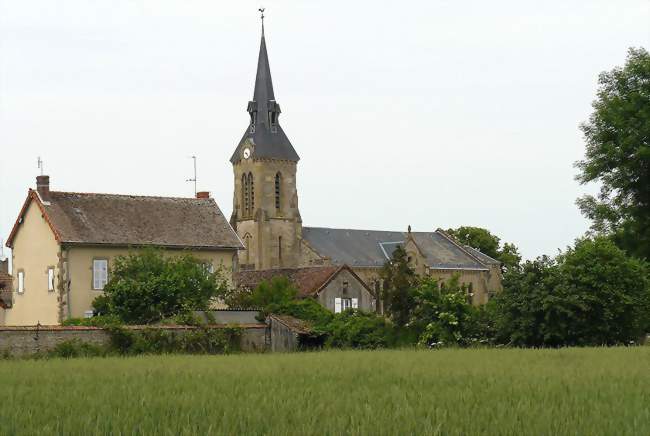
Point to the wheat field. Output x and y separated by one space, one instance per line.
587 391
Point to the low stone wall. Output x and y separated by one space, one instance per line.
20 341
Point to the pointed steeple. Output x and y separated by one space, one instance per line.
264 136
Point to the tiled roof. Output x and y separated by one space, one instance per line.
308 280
294 324
482 257
372 248
125 220
5 280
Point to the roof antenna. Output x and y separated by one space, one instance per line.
262 18
40 164
194 179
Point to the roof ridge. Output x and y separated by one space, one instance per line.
105 194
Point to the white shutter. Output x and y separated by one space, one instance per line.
337 305
21 281
355 303
50 279
95 274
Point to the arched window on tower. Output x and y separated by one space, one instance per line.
251 192
278 192
245 207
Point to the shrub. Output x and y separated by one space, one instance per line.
77 348
95 321
357 329
147 286
161 341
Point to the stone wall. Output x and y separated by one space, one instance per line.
20 341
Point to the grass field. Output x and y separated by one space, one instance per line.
540 392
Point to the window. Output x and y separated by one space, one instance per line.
341 304
278 187
100 274
50 279
208 267
244 194
251 193
21 282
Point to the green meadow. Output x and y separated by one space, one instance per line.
589 391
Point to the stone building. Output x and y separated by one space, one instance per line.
267 218
64 245
335 287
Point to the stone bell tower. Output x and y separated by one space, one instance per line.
265 204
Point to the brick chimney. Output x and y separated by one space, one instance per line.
203 194
43 187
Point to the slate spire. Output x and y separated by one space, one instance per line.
264 136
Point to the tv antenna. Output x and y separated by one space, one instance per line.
40 164
193 179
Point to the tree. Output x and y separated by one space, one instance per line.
617 138
592 294
488 244
148 286
398 282
442 315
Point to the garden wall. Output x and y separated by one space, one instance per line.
20 341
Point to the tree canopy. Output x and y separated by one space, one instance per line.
398 281
592 294
488 244
617 137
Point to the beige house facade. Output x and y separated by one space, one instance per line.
267 218
64 245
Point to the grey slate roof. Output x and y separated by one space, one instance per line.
482 257
268 142
137 220
371 248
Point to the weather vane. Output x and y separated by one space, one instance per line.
194 179
262 18
40 164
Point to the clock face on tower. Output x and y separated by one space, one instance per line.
247 153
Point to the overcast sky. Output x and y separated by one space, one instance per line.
430 113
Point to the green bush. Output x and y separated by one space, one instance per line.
357 329
148 286
160 341
77 348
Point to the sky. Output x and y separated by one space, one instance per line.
433 114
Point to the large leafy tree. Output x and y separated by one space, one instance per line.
147 286
488 244
592 294
399 279
617 136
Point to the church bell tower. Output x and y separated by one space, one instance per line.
265 204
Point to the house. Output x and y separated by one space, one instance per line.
63 245
267 218
335 287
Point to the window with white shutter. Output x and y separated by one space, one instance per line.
100 274
21 282
337 305
50 279
355 303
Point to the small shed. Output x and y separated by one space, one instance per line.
288 333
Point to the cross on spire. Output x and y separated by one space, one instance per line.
262 18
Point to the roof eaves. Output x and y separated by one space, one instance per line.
32 195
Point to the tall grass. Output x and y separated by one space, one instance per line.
502 392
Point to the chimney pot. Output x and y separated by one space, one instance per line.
43 187
203 194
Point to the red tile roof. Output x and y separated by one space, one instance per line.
308 280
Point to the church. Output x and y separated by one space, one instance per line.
267 218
